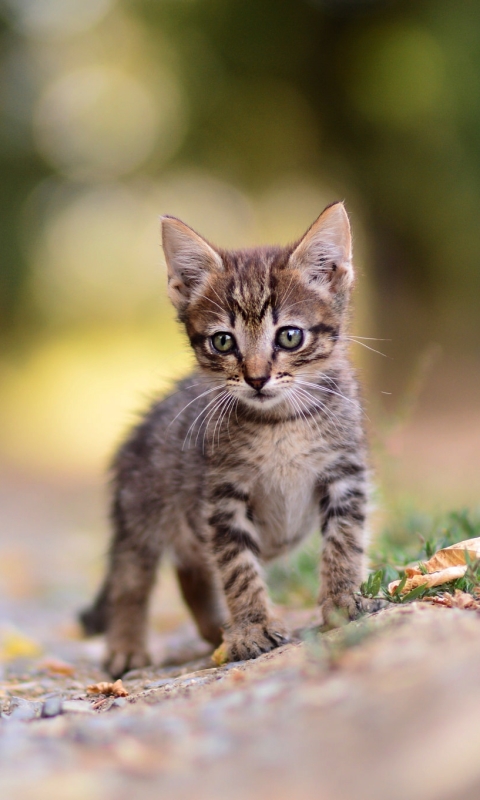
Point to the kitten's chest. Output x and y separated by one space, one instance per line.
285 495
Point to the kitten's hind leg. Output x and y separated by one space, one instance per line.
120 609
204 598
94 619
131 581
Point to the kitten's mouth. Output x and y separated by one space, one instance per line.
263 397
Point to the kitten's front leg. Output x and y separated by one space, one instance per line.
343 508
235 546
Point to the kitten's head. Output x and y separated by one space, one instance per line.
266 319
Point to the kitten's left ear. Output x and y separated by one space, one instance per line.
324 254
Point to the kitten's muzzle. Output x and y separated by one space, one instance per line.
257 383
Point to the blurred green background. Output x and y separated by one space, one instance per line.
245 118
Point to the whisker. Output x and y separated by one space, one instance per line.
208 420
220 298
204 409
218 423
233 406
298 303
351 339
301 405
369 338
213 389
322 406
288 292
330 391
229 411
209 299
191 430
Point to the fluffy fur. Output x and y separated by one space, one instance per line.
259 447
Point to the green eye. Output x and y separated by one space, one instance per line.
289 338
223 342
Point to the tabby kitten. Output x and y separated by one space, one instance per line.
260 446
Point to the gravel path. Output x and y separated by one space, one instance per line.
384 708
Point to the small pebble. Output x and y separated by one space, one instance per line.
23 709
119 702
77 706
52 706
158 684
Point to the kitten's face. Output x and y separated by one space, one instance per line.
267 320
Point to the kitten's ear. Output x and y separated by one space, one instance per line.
189 260
324 254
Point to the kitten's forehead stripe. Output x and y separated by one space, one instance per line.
252 287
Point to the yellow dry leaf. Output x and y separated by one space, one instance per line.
220 656
116 689
443 567
454 555
14 644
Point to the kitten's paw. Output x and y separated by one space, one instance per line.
348 606
248 640
119 661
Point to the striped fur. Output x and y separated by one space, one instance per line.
251 453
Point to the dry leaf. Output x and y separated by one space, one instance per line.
57 667
445 566
116 689
457 600
14 644
220 656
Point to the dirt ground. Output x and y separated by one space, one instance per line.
384 708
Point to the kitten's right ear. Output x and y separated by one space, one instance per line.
189 261
324 254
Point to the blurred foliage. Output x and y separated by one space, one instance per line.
245 117
378 101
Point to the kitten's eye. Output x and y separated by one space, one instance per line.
223 342
289 338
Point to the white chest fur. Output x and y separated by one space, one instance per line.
284 499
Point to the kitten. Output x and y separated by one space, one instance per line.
259 447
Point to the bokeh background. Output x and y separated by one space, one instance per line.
245 118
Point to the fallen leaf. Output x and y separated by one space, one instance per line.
457 600
57 667
116 689
443 567
14 644
220 656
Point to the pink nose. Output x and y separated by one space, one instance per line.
257 383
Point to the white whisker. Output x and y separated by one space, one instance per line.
352 339
233 406
322 406
298 303
329 391
301 405
369 338
218 424
209 300
213 389
200 414
287 293
209 418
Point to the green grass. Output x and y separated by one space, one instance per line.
414 542
293 581
413 538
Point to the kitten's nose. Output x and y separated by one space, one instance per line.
257 383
